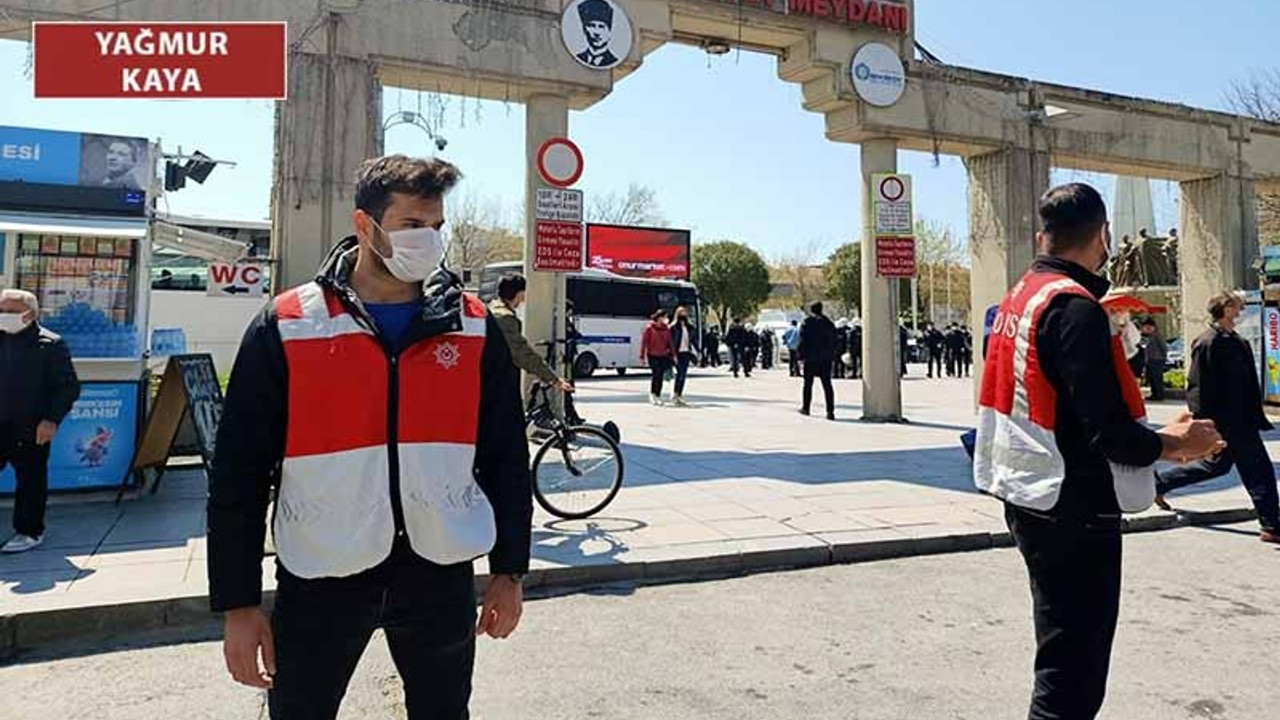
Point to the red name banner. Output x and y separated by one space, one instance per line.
886 15
160 60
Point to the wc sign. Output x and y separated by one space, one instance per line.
240 280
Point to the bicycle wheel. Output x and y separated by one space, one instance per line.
577 472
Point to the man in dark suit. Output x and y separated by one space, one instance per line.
1222 386
597 25
817 352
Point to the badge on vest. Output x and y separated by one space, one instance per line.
447 355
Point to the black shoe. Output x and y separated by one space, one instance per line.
804 411
831 416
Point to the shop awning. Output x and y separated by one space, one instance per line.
198 243
70 225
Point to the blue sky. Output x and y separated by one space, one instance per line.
724 142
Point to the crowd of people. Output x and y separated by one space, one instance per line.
951 349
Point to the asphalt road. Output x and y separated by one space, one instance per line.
928 638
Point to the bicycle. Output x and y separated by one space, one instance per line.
578 469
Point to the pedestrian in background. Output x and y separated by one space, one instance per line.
657 349
791 338
817 352
966 350
1061 442
838 367
684 338
38 386
904 350
711 348
1223 386
855 351
750 349
736 339
766 349
1157 355
934 343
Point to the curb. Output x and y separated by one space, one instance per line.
30 630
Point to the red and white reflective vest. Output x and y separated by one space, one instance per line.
1017 457
334 515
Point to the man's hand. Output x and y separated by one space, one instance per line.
1188 440
248 632
564 386
503 605
45 432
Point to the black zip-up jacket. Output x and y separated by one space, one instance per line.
251 439
1223 382
37 379
1073 341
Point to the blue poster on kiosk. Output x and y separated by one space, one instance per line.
94 445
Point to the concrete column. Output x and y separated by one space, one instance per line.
1004 198
881 380
1217 243
546 116
331 123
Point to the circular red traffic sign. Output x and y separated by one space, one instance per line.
892 189
560 162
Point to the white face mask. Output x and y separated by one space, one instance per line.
13 323
415 252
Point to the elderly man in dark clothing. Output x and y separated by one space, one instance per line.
817 352
1222 386
38 385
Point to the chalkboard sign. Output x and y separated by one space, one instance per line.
204 399
189 391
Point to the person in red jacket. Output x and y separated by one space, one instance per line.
657 349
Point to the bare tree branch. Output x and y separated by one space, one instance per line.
638 207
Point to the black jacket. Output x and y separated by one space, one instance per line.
677 335
1094 426
817 340
1223 385
736 337
251 436
37 379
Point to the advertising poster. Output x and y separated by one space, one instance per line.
1271 340
639 252
94 444
66 158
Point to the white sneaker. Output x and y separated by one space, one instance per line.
655 400
21 543
678 401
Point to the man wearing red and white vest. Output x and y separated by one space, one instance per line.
381 403
1061 440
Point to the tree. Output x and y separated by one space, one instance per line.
942 274
843 273
731 277
479 234
798 269
638 207
1259 98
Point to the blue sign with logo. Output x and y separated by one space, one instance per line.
39 156
94 445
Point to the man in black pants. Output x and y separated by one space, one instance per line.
1060 442
381 403
38 386
933 342
1157 354
1223 386
817 352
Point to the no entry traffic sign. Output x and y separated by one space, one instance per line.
559 162
891 205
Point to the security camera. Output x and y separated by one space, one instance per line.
441 144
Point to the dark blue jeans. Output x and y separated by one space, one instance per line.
321 628
682 371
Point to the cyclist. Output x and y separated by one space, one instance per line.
511 295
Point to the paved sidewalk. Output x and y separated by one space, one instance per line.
738 481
